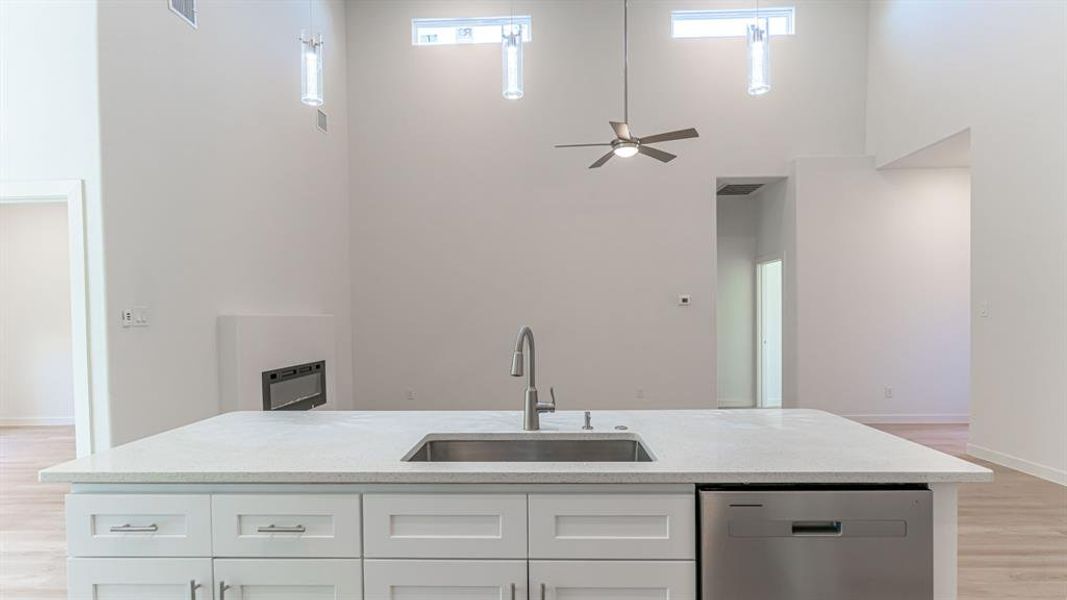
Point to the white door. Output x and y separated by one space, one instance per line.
769 332
139 579
438 579
612 580
288 579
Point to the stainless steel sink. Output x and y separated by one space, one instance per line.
438 448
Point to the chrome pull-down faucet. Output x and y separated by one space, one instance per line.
532 408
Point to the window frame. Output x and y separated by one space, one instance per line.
771 13
523 21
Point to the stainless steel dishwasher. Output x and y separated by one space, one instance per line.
816 543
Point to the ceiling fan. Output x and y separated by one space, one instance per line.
625 143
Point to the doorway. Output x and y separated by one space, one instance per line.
752 231
769 333
65 197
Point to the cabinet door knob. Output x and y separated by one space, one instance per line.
513 591
542 591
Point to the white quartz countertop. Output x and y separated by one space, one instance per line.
689 446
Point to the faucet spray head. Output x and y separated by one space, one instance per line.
516 364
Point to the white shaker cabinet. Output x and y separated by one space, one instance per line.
286 525
444 525
438 579
139 579
604 526
288 579
611 580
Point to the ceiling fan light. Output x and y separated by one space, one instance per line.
625 149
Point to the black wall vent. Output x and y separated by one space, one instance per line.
186 9
738 189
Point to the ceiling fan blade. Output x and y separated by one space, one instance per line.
681 134
603 159
622 130
578 145
657 154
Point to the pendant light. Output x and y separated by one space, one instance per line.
311 63
759 55
511 55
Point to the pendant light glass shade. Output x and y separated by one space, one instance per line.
511 49
311 79
759 58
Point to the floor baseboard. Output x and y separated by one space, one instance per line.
910 419
1019 464
35 421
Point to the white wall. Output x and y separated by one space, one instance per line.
999 68
771 225
735 315
221 195
882 261
36 374
49 131
466 223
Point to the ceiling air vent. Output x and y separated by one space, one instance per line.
321 122
738 189
186 9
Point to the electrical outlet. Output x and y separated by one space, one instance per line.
410 395
685 300
983 310
127 317
888 391
640 394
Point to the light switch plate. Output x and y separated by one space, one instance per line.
140 316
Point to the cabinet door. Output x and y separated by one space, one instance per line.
613 526
286 525
139 525
288 579
139 579
612 579
437 579
444 526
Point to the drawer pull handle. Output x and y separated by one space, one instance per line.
222 590
817 528
542 591
193 586
513 591
127 528
281 529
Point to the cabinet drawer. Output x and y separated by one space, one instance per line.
598 526
444 525
139 525
445 579
600 579
139 579
289 579
286 525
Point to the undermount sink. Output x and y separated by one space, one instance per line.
439 448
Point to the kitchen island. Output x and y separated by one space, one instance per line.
344 501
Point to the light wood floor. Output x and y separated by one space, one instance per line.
1013 532
32 539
